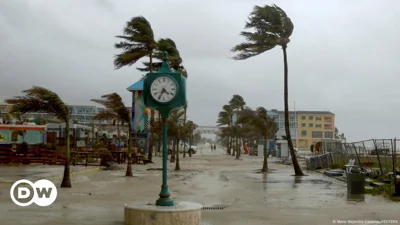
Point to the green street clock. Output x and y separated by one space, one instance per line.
164 90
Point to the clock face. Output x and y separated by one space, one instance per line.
163 89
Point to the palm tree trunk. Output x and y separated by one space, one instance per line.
129 172
66 181
184 124
190 143
265 163
173 151
233 146
177 165
228 146
237 148
118 131
296 166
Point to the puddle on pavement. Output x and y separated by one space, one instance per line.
297 181
206 223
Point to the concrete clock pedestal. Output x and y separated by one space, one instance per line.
144 213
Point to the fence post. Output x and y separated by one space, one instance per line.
396 184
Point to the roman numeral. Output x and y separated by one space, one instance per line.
159 81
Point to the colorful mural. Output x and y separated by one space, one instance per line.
4 137
140 114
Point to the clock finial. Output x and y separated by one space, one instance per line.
165 65
165 59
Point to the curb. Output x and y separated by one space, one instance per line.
72 174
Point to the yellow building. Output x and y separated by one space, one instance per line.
314 126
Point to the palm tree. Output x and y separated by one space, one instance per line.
225 122
175 129
237 103
117 111
174 58
184 125
267 129
272 27
42 100
138 42
187 133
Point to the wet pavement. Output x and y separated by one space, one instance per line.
213 179
12 173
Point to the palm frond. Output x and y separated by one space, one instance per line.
270 27
113 103
41 100
106 115
138 42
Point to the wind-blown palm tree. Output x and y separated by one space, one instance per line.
117 111
174 58
42 100
267 128
225 123
272 27
237 103
175 129
138 42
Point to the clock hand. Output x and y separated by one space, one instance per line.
159 97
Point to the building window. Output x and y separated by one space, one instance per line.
303 133
318 118
303 125
310 117
328 126
328 119
291 118
303 117
328 134
311 125
318 125
292 125
316 134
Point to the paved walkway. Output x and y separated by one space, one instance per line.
212 179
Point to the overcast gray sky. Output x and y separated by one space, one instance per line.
343 56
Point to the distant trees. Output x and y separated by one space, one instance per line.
247 126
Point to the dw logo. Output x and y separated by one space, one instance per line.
42 193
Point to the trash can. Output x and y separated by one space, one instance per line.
356 183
